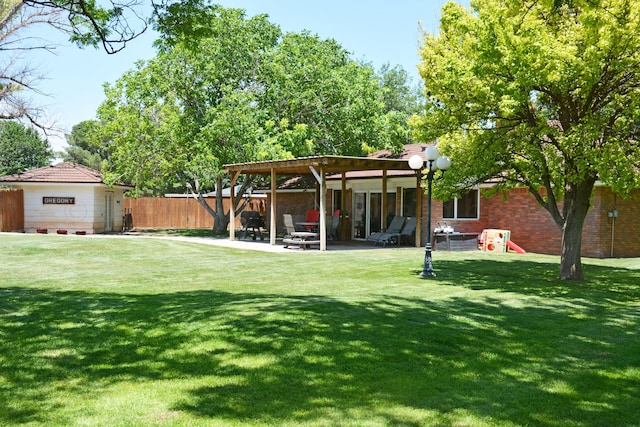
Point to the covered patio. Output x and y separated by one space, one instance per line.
320 167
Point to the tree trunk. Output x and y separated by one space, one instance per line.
576 207
570 259
220 219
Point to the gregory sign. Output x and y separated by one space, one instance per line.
58 200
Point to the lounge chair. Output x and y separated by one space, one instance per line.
333 223
395 227
290 226
407 230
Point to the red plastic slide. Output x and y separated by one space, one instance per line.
515 247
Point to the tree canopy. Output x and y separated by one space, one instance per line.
226 88
21 148
192 108
84 145
537 93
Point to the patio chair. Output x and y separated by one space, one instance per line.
395 227
333 223
407 231
289 225
312 215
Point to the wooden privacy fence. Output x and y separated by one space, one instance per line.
11 210
178 212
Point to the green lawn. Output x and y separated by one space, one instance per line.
139 332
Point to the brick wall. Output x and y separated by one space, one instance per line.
533 229
531 226
296 203
626 229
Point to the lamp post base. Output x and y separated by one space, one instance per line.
427 269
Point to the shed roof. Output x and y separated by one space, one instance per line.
66 172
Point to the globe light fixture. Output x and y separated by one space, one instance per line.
434 162
415 162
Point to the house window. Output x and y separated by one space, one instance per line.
465 207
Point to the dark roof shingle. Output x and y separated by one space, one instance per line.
66 172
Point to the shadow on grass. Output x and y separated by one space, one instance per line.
313 359
602 283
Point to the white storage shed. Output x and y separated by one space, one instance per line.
68 198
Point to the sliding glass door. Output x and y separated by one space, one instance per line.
368 215
360 215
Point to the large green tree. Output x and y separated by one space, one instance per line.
399 92
401 99
21 148
225 88
84 145
316 85
178 118
538 93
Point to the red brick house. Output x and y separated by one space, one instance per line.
530 226
533 229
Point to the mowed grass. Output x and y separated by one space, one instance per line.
142 332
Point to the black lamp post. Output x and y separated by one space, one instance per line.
435 162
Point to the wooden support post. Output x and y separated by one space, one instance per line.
273 220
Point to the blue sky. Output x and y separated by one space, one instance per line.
374 31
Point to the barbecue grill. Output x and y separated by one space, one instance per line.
251 222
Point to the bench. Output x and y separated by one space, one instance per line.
301 239
299 242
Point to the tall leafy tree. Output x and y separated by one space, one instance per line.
84 145
21 148
178 118
540 94
401 100
315 85
398 90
